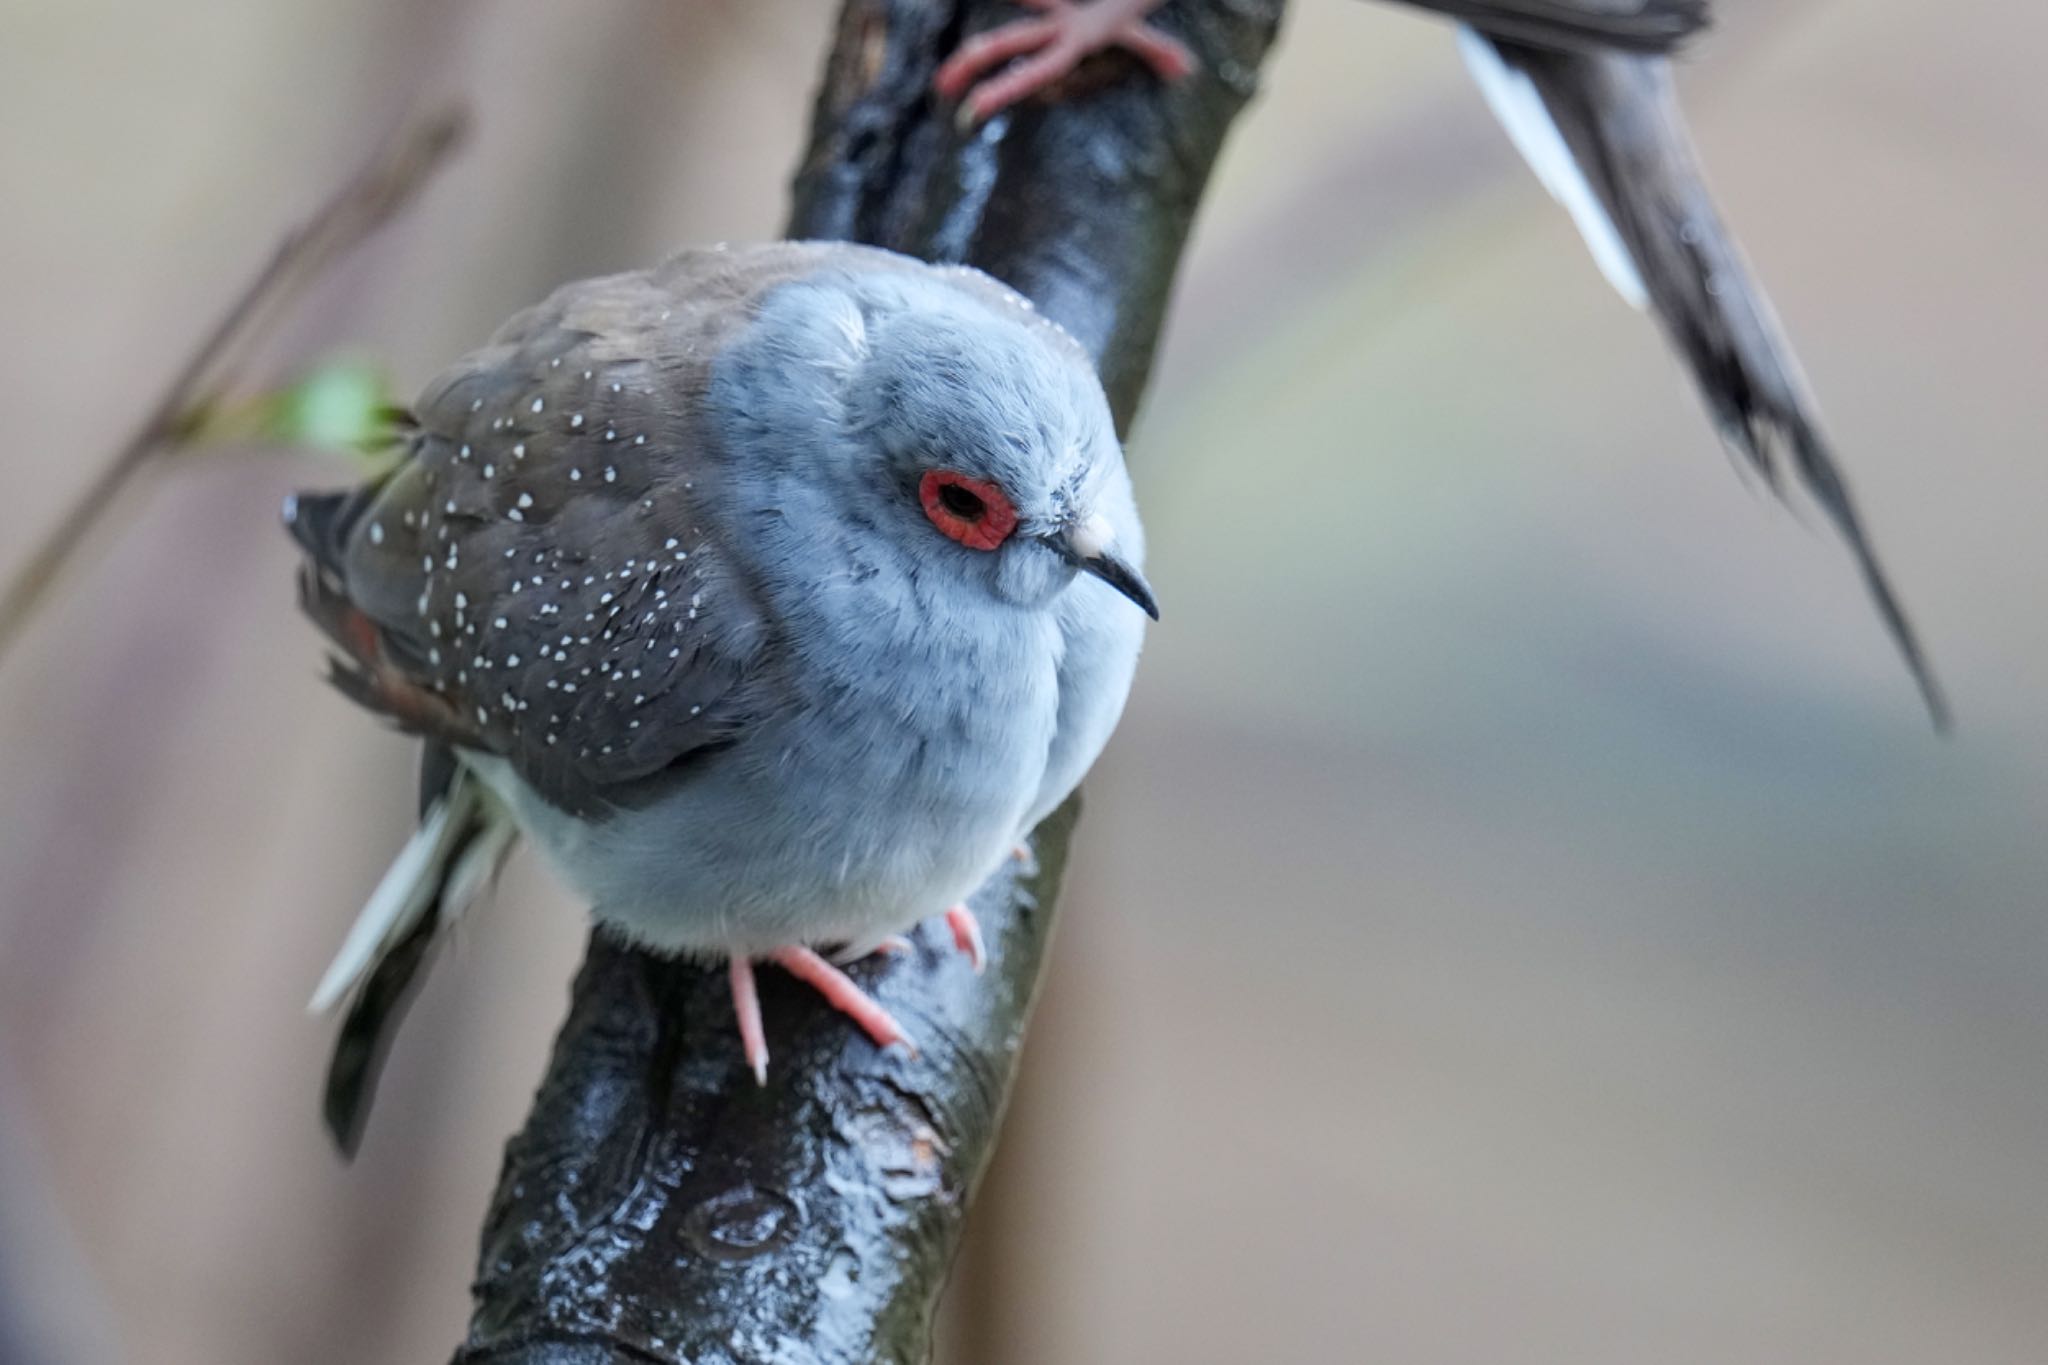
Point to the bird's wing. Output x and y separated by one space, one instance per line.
1581 25
1604 133
538 578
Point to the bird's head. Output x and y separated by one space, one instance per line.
960 428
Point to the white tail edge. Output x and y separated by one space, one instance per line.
1516 103
401 897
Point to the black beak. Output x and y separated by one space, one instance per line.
1124 579
1110 570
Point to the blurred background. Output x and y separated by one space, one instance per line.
1525 915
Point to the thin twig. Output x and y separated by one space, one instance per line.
371 197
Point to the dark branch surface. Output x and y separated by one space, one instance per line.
658 1207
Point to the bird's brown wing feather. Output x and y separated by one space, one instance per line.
535 579
1581 25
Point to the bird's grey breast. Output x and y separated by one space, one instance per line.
888 778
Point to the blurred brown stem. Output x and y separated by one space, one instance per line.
385 183
651 1209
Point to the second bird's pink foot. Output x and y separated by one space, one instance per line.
1050 44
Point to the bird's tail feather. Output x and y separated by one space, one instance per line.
463 838
1634 185
1515 101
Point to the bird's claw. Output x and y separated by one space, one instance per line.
967 936
1026 55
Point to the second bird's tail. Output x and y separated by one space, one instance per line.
1603 133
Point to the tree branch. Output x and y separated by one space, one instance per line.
658 1206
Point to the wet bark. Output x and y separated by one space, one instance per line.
658 1206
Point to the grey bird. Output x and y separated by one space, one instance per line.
1584 90
775 593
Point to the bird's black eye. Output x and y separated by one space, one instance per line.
962 502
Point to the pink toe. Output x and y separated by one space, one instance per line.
843 995
967 936
746 1007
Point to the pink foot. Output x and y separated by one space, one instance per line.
827 980
1051 44
967 936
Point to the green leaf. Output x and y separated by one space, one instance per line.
343 405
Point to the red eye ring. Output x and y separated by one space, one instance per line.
969 510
